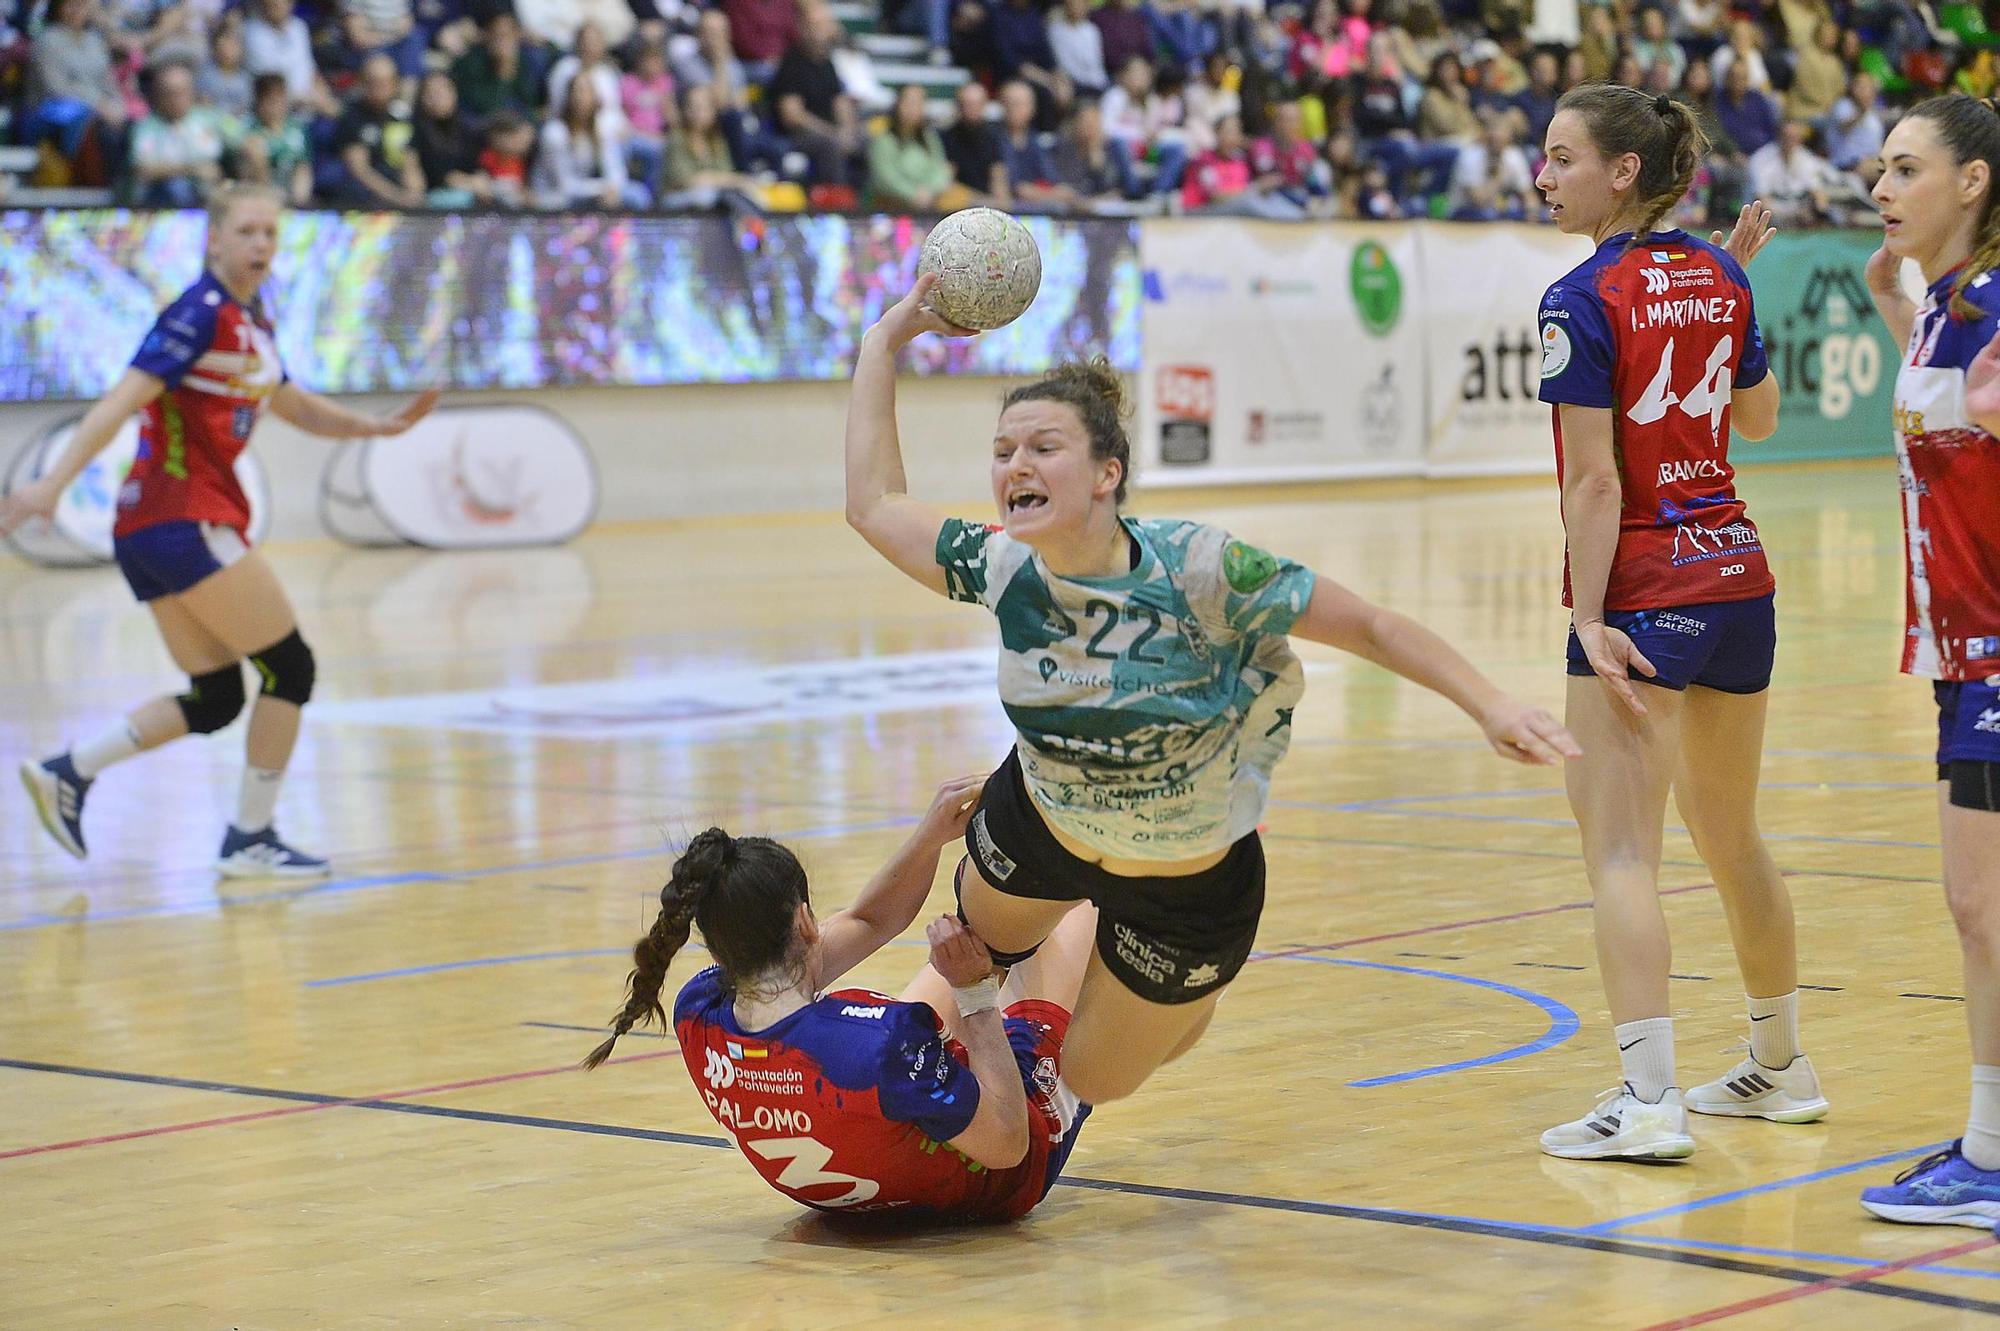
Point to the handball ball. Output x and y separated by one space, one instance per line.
987 265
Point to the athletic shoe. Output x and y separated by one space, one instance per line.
262 855
58 794
1941 1189
1789 1094
1624 1127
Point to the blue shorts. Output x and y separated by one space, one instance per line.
1968 752
169 557
1724 645
1968 721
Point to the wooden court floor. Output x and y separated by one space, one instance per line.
253 1105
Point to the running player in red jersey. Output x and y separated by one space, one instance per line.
1941 166
202 377
932 1105
1650 354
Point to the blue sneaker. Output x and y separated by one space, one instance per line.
1941 1189
262 855
58 794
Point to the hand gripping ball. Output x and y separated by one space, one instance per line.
987 265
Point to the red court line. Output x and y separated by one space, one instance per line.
1450 925
316 1105
1819 1287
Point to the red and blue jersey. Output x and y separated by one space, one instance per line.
219 360
847 1104
1661 332
1950 472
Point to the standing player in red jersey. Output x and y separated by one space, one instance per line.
202 377
1937 193
931 1105
1650 354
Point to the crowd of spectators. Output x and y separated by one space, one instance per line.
1325 108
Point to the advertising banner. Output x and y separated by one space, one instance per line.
81 531
1484 283
399 302
1835 362
464 478
1279 352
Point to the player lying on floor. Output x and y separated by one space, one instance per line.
947 1101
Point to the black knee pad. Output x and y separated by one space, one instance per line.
1004 960
212 700
286 667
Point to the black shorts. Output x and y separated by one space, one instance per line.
1168 940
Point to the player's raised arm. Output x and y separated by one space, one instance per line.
890 902
1884 275
1337 617
879 506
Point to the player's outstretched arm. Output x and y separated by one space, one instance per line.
94 433
890 902
1337 617
903 530
997 1137
314 414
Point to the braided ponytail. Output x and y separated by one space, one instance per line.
1663 133
1969 128
706 859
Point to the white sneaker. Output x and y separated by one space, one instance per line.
1624 1127
1789 1094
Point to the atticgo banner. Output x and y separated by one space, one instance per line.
80 535
1835 362
1275 351
1483 285
463 478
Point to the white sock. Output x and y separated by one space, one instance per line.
1774 1030
259 799
1646 1051
1982 1126
113 746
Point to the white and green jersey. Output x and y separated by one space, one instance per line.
1151 705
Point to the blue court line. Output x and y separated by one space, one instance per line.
1776 1185
356 884
437 966
1624 1246
1570 822
234 899
1400 807
1563 1023
1831 1258
1480 746
1572 857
